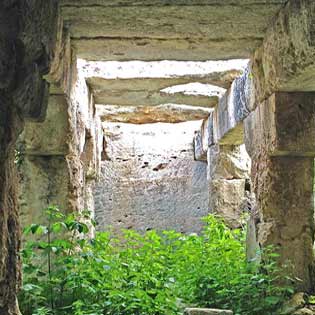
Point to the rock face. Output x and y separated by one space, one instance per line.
25 57
150 179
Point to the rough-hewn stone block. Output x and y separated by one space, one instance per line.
206 311
63 71
227 199
284 193
51 136
232 109
31 94
167 113
168 30
283 125
228 162
285 61
45 182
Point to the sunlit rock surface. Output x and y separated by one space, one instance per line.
168 113
150 179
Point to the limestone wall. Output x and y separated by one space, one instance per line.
150 179
60 155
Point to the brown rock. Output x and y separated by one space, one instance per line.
206 311
303 311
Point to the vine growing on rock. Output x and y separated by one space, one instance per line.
158 273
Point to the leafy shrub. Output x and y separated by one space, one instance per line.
150 274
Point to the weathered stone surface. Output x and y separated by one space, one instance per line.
24 58
228 175
284 192
31 94
10 277
150 179
86 141
206 311
154 83
253 251
200 153
204 138
232 109
49 177
50 137
227 199
153 98
283 125
167 113
277 139
139 75
297 301
207 133
62 74
168 30
38 32
285 61
303 311
124 49
228 162
71 135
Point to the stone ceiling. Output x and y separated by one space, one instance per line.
137 83
168 29
148 53
163 91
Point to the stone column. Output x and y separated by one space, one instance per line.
280 137
228 172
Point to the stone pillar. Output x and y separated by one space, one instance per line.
61 155
279 137
228 172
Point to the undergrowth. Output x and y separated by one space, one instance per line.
151 274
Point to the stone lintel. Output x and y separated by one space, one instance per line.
232 109
157 75
167 113
283 125
126 49
169 32
286 60
153 98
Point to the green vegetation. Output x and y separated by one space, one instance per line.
151 274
